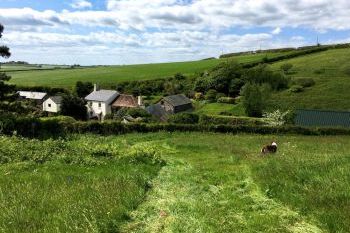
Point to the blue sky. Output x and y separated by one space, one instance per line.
92 32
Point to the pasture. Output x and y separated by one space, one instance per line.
109 76
210 183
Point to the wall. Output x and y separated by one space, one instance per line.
99 112
54 107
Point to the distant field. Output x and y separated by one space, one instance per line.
211 183
109 76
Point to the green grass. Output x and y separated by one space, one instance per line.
332 83
211 183
85 185
327 64
219 109
109 76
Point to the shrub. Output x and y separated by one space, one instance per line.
211 95
296 89
184 118
276 118
320 71
286 67
219 95
305 82
138 112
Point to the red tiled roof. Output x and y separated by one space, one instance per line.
127 101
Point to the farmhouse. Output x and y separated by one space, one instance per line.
38 97
176 103
52 104
322 118
127 101
99 102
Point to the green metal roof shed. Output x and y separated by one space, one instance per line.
322 118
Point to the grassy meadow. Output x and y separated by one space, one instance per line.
109 76
210 183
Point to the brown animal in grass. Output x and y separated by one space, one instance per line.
269 149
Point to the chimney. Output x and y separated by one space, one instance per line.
139 101
96 87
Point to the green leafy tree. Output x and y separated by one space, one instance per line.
74 106
254 99
82 89
5 89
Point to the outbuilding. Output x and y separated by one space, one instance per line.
53 104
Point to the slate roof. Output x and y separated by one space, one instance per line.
57 99
32 95
107 96
320 118
128 101
177 100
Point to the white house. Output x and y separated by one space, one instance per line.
39 97
99 102
52 104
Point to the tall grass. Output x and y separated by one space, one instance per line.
83 185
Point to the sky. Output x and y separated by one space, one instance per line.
117 32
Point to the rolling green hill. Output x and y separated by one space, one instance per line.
331 72
108 76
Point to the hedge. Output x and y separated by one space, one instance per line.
30 127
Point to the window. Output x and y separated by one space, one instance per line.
99 105
49 105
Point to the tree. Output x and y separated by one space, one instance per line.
254 99
73 106
286 67
5 89
83 89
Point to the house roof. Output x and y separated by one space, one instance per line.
177 100
128 101
56 99
32 95
106 96
321 118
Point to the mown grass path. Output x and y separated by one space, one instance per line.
209 187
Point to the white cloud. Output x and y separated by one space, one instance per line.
276 31
81 4
166 30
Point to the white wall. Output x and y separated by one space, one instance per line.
94 110
50 106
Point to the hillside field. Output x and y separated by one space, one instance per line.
331 72
109 76
210 183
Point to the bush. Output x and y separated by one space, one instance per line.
211 95
296 89
184 118
305 82
227 120
226 100
220 95
320 71
138 112
286 67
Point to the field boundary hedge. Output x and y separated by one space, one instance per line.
36 128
